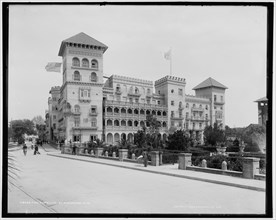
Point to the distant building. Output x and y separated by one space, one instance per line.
85 107
262 111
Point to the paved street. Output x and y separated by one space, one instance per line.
50 184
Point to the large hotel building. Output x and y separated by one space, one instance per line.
86 106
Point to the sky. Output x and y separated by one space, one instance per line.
227 43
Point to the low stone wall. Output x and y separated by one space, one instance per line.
215 171
259 177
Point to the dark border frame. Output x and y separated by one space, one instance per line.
269 74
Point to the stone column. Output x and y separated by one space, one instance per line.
98 151
160 157
224 165
123 154
250 167
185 159
204 163
154 158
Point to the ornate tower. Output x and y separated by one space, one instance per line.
81 91
215 91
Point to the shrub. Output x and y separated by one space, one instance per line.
21 140
216 161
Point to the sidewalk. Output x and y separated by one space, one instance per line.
171 170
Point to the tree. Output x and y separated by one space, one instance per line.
214 135
140 138
153 138
21 127
179 140
41 131
38 120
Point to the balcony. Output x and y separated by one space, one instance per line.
137 94
216 102
197 118
118 92
80 128
93 113
197 109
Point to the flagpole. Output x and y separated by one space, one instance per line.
171 62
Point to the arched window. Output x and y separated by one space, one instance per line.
94 64
77 76
85 62
77 108
116 123
93 77
76 61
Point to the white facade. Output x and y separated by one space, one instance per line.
90 108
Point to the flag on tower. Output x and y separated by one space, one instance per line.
53 67
167 55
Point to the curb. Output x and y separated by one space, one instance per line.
168 174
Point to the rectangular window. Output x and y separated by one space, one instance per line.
54 117
200 125
172 114
180 91
172 102
93 110
94 122
136 100
76 138
77 122
84 93
158 102
221 98
172 123
54 126
215 98
130 100
148 101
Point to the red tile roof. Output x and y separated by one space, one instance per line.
82 38
209 83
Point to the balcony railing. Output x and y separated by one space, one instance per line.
197 118
85 128
133 104
137 94
219 102
200 109
93 113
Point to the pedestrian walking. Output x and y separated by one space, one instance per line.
36 150
145 157
24 149
74 150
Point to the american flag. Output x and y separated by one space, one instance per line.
53 67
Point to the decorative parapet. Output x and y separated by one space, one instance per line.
199 99
170 79
130 80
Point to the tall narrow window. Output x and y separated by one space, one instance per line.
93 77
77 109
93 122
85 62
215 98
77 76
94 64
